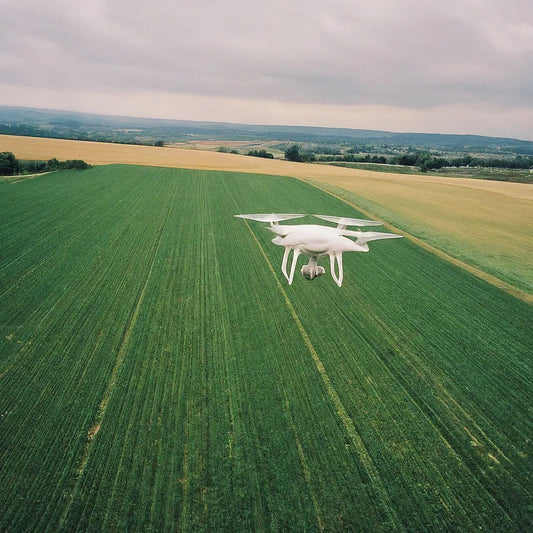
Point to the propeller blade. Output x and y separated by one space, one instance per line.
343 222
366 236
269 217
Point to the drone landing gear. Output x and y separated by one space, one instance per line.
296 253
310 271
332 258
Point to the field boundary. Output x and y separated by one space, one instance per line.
23 177
485 276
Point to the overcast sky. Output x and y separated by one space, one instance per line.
454 66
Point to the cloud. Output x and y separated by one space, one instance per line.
410 55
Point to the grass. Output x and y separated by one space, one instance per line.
157 372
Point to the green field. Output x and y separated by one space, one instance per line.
158 374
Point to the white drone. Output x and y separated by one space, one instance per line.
317 241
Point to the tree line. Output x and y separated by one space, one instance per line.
261 153
11 166
424 160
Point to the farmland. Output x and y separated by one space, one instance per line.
483 224
157 373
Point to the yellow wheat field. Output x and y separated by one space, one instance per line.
484 223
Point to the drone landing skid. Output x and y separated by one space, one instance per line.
332 258
296 253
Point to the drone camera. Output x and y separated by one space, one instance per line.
311 272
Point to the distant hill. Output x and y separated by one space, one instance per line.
72 125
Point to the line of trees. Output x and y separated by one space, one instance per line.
143 138
426 161
11 166
226 150
261 153
295 153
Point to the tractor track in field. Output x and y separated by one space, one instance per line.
23 177
301 454
108 392
334 397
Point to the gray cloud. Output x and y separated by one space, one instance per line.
410 53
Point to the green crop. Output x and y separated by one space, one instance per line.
157 373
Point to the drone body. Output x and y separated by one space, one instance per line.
317 241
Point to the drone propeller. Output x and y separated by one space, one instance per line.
343 222
269 217
366 236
